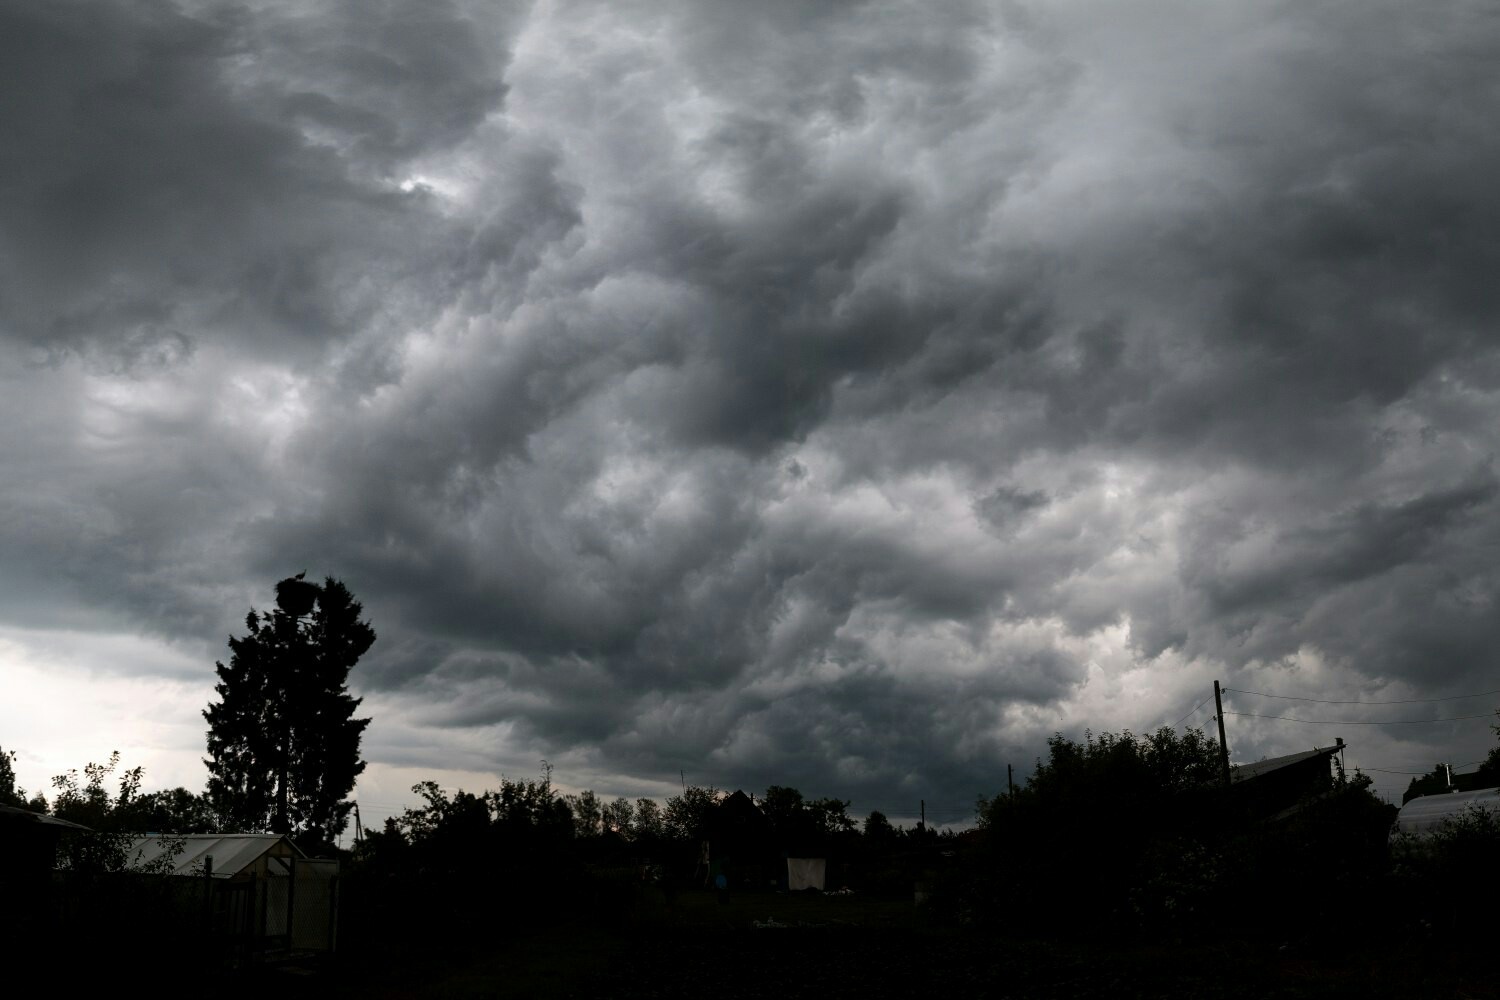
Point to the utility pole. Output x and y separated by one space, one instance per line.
1223 743
1010 781
924 814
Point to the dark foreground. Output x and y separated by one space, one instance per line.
831 947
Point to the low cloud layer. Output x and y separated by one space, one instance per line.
840 395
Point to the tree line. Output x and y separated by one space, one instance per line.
283 744
1116 829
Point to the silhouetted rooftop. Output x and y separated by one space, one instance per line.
13 814
1244 772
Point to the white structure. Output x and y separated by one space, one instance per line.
233 854
268 896
805 873
1423 815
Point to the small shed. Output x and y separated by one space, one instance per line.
1424 815
29 838
28 843
266 894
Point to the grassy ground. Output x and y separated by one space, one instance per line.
795 945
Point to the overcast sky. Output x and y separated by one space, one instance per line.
845 395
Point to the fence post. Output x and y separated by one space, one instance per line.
265 909
333 913
291 911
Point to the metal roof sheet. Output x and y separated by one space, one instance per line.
1244 772
232 852
1426 813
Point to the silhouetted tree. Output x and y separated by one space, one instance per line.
175 810
618 816
795 820
1433 783
830 817
114 820
878 830
89 802
12 794
786 812
530 811
649 823
283 742
9 796
1488 775
687 815
588 813
1097 822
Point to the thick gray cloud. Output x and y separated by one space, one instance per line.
845 395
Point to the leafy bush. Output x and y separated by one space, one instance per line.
1441 878
1124 834
114 822
1087 840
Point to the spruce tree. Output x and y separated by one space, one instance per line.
283 741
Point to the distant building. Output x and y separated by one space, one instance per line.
28 843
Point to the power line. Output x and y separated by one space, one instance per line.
1326 701
1345 722
1386 770
1190 714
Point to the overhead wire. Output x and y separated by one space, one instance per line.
1192 713
1347 722
1328 701
1387 770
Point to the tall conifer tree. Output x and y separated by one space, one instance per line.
283 741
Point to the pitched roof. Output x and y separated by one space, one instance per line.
12 814
232 852
1244 772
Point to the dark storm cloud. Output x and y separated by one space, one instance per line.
172 220
382 81
845 395
153 198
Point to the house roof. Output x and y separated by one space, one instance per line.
232 852
1424 814
1260 768
738 808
